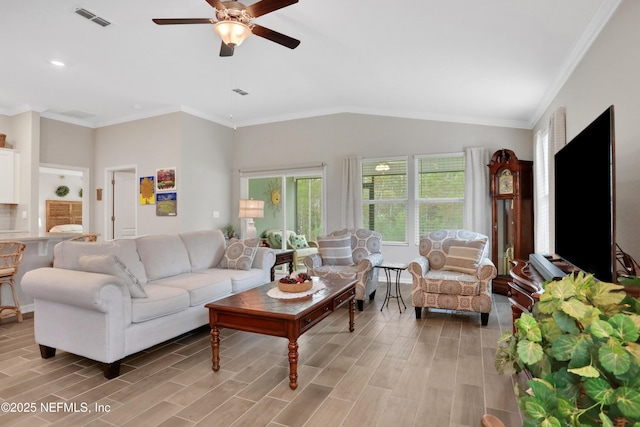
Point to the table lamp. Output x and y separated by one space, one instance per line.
250 209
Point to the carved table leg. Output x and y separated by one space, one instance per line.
215 348
352 309
293 364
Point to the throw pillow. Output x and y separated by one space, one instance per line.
277 239
464 256
111 264
335 250
299 241
239 254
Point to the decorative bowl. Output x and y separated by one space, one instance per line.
295 287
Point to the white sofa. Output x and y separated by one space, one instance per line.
106 318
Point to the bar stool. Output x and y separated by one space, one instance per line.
10 256
88 237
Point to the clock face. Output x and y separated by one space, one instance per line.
505 182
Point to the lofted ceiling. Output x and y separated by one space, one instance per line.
494 62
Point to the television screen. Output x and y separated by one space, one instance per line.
585 199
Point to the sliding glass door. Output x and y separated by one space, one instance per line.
294 200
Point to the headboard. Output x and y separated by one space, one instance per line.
60 212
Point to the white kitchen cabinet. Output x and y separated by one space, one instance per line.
8 176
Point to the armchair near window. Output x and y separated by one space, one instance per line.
349 253
453 272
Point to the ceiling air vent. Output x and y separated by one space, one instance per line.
92 17
240 92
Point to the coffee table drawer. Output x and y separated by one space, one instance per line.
316 315
345 296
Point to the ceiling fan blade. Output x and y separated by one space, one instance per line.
266 6
182 21
216 4
225 49
275 36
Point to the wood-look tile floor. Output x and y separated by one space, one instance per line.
393 370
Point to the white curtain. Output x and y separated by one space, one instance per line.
477 197
541 165
351 193
546 145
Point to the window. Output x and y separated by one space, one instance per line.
309 207
439 192
398 207
384 198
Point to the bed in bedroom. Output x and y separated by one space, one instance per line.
64 216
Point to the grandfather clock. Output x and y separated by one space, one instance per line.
511 213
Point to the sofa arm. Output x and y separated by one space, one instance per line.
486 269
419 267
91 291
312 261
264 258
367 263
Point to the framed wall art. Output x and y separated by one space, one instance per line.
166 179
166 204
147 190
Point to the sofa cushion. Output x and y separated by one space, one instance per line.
299 241
205 248
160 301
239 254
301 253
202 288
111 264
450 282
336 271
464 255
335 250
241 280
163 255
66 254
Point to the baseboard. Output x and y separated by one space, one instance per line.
27 308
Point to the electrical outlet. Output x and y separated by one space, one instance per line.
216 214
24 214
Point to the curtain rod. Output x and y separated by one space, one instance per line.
290 168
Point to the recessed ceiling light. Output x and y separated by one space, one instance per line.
57 63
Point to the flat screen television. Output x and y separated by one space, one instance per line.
585 199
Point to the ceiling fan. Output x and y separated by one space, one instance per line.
233 23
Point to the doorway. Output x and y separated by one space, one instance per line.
76 179
121 203
294 199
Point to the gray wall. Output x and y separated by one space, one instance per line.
198 149
608 75
331 138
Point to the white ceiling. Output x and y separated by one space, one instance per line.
495 62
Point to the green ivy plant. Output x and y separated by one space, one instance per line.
581 346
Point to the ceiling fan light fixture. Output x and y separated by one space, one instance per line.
232 33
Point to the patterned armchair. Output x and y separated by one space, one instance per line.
453 272
349 253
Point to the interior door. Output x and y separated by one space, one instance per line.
123 219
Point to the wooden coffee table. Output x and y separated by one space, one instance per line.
254 311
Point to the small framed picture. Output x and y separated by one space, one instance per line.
147 190
166 204
166 179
